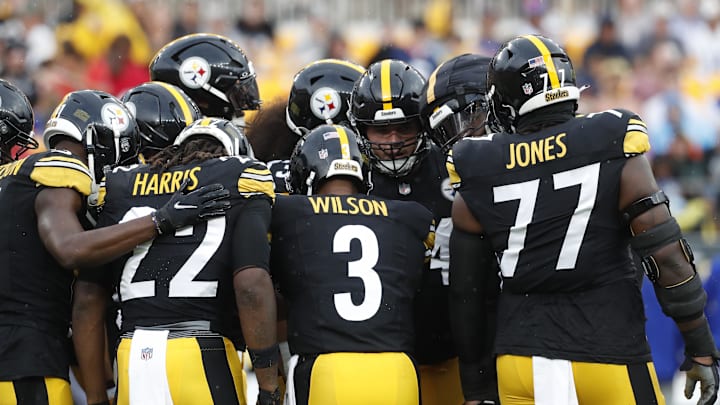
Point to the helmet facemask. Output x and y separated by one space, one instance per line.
21 139
451 122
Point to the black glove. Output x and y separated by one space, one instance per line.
269 398
188 209
708 377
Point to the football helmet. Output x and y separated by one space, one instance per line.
161 110
389 93
320 94
212 70
327 151
528 73
16 122
101 123
454 98
229 134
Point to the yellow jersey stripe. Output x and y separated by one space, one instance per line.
249 187
636 142
385 89
262 172
64 177
184 107
344 143
547 58
637 122
452 173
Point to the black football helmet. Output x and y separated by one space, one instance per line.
161 110
229 134
528 73
212 70
389 93
101 123
16 122
320 94
327 151
454 98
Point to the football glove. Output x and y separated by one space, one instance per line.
706 375
188 209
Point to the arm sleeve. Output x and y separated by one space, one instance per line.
474 288
250 237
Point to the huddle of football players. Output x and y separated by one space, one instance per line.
460 239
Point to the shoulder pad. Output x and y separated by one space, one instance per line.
61 169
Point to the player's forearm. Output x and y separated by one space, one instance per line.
255 298
88 321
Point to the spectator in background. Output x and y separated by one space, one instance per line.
188 19
606 45
115 71
15 70
252 29
39 38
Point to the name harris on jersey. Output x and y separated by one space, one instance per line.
164 183
523 154
348 206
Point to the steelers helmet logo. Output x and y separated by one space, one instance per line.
132 108
115 117
194 72
325 103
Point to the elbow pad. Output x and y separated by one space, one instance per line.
650 241
683 302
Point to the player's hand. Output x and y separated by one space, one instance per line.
708 377
188 209
269 398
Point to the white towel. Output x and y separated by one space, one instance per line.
290 383
148 382
553 382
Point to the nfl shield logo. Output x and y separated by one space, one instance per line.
527 89
323 154
404 188
146 353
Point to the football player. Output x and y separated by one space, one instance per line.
319 95
161 110
562 199
349 266
45 238
454 106
213 71
16 123
175 290
385 111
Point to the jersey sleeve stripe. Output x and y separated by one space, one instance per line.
259 177
248 187
452 173
634 121
55 175
636 142
62 161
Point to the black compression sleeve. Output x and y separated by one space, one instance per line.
251 247
474 287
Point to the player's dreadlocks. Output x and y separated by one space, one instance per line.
197 150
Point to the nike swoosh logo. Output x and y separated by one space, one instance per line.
179 206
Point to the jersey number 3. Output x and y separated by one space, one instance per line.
363 268
587 177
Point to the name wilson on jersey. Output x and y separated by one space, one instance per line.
165 182
523 154
348 206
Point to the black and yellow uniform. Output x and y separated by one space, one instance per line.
548 202
182 284
35 292
279 170
429 185
349 268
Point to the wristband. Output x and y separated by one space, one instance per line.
155 220
264 358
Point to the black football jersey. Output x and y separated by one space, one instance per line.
349 268
186 276
279 170
35 292
549 203
429 185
